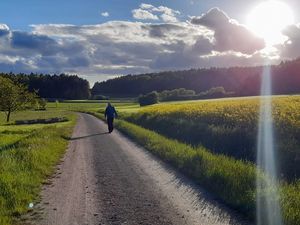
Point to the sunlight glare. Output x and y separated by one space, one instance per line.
268 19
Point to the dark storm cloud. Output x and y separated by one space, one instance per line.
38 43
229 35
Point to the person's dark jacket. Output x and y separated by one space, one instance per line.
110 112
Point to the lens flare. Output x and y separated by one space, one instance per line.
267 202
268 19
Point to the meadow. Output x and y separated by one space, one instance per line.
28 155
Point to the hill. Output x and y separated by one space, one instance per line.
243 81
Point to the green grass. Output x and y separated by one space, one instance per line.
93 106
28 154
30 114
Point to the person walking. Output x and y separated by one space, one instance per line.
110 114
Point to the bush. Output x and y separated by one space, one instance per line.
41 104
148 99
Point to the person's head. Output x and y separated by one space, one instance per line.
108 104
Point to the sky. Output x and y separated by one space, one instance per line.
102 39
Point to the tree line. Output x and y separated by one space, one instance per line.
182 94
242 81
53 86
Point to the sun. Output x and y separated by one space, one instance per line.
268 19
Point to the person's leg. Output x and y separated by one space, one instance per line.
110 124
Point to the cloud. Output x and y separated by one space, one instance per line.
40 43
4 30
150 12
229 34
291 47
105 14
142 14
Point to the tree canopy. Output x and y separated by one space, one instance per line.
14 97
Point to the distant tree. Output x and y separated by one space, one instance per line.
14 97
148 99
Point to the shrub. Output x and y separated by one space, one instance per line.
148 99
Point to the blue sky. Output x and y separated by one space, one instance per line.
18 14
74 37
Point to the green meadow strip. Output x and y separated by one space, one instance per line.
26 164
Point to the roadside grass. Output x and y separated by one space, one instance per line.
28 154
233 181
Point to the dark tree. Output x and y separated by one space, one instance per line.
54 86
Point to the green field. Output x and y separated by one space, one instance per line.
212 141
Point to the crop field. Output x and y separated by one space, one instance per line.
228 127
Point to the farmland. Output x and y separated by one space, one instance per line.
214 142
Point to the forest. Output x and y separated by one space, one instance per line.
242 81
53 86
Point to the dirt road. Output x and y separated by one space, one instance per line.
107 179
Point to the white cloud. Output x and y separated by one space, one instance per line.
146 6
105 14
142 14
168 18
147 11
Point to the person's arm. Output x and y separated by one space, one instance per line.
116 114
105 113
